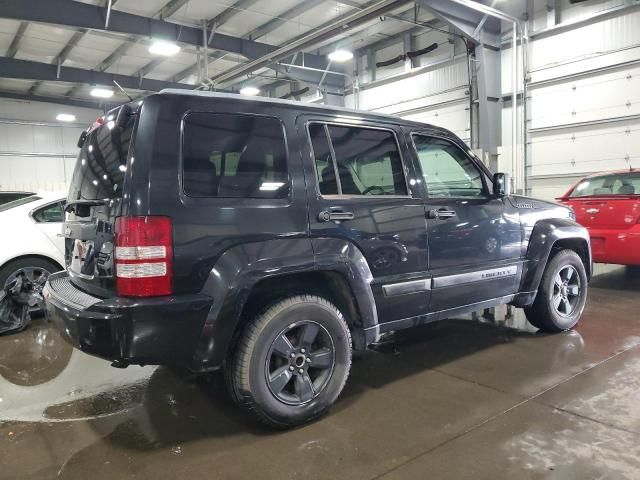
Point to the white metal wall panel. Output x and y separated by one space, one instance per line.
590 98
432 81
36 152
587 149
611 34
452 117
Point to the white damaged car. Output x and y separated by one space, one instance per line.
31 238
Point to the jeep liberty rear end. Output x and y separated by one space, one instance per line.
271 238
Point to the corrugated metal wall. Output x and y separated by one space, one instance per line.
435 91
37 153
584 106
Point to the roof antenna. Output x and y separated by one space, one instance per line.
123 91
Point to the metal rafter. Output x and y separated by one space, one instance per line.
62 56
256 33
28 70
49 99
81 15
15 43
281 19
214 23
322 33
230 12
167 10
170 8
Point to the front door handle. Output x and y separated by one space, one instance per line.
440 214
334 216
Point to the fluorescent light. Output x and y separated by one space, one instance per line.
66 117
249 91
164 48
340 56
102 92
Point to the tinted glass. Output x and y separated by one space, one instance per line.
50 214
368 163
102 162
324 164
237 156
447 171
613 184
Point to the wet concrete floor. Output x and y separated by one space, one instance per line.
459 399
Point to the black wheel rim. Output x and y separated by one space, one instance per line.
300 362
32 273
566 290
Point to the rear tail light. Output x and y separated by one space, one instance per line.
143 256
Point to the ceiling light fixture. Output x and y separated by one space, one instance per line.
249 91
164 48
340 56
102 92
66 117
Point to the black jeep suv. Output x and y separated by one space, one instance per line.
273 238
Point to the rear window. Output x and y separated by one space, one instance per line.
234 156
102 163
613 184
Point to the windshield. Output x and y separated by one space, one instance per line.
17 203
101 163
626 183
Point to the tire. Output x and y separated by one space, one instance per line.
273 343
37 263
560 303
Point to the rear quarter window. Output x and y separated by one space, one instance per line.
234 156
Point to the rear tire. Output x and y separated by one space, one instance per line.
37 264
291 362
562 294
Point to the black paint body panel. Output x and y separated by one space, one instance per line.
224 247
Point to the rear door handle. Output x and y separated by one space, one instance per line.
333 216
440 214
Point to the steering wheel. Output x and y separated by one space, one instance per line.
374 187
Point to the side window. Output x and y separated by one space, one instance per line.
367 161
233 155
50 214
325 173
447 171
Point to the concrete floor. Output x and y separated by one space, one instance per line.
459 399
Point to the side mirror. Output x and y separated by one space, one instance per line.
501 185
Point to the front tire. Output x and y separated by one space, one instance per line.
291 362
562 294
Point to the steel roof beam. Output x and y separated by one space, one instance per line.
373 10
28 70
283 18
58 100
231 11
170 8
15 43
81 15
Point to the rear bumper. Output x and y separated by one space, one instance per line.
616 246
154 331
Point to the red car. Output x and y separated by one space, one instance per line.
608 205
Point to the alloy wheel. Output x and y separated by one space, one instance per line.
566 290
300 362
